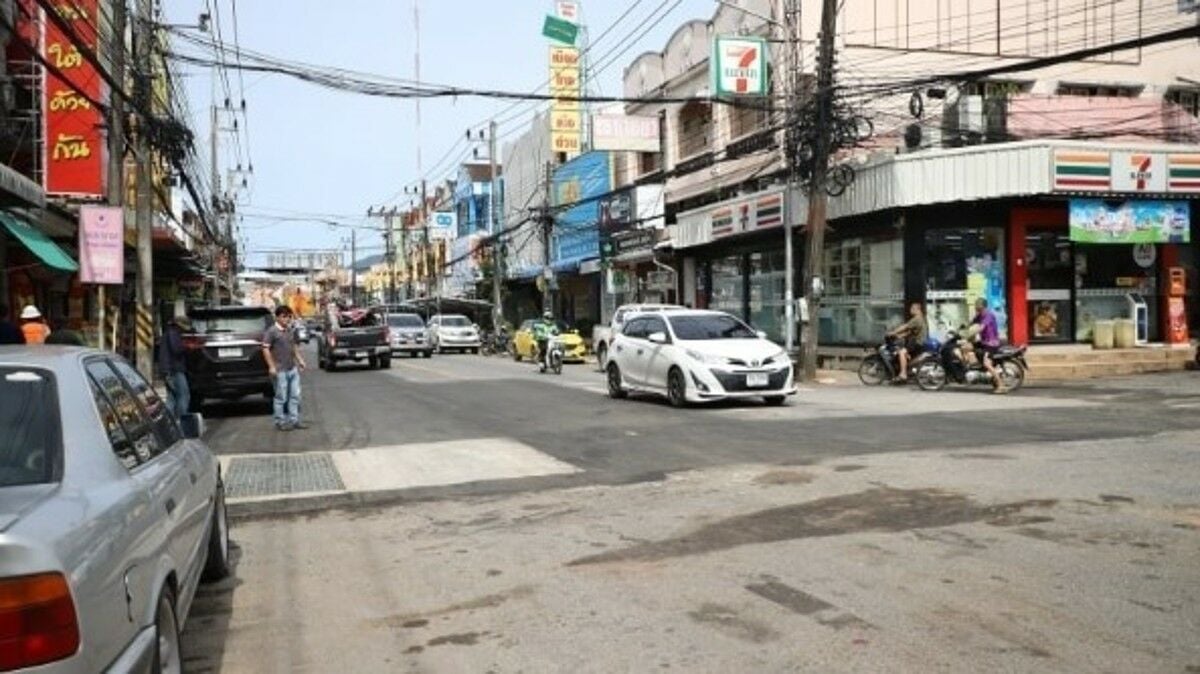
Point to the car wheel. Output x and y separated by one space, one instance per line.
774 401
373 362
195 402
216 565
615 390
330 365
516 354
602 357
676 388
167 658
385 362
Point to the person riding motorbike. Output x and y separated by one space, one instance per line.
543 330
989 342
914 332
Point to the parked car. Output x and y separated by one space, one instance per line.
111 513
355 335
525 346
408 335
602 334
224 353
697 356
453 331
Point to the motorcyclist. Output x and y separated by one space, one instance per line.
989 341
914 332
543 330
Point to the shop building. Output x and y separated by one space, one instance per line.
577 188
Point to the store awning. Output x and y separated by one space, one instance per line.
39 244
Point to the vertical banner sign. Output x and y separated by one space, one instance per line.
74 147
566 117
101 245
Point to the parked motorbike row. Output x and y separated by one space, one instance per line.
944 363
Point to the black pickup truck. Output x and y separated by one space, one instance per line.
354 335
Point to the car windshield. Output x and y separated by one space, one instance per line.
692 328
456 322
403 321
230 321
30 444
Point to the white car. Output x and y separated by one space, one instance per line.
697 356
451 331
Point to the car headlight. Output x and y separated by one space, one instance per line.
705 358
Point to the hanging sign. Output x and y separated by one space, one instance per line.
101 245
74 148
566 117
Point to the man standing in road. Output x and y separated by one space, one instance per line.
172 361
285 364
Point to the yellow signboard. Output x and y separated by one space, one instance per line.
566 118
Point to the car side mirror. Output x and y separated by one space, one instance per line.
192 426
761 334
658 338
476 326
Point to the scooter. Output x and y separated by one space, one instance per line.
884 363
552 359
950 367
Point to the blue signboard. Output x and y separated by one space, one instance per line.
580 181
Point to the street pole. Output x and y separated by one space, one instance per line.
353 267
817 198
116 145
786 27
497 246
389 219
547 233
217 205
144 323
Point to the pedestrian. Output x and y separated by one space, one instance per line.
9 332
172 362
33 325
64 336
285 364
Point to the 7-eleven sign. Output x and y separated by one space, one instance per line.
739 66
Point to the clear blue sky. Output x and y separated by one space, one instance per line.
319 151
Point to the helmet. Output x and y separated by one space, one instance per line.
30 312
549 316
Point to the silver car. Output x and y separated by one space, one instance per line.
110 514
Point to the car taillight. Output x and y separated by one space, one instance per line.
193 343
37 621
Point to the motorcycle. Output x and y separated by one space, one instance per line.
552 359
950 367
495 343
884 364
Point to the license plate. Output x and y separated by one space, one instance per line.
229 353
758 379
360 354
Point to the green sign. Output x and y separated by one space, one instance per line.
560 29
1099 221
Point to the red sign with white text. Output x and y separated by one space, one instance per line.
75 145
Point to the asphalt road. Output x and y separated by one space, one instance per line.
1056 529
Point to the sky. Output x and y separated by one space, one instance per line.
316 151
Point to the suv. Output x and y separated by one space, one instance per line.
453 331
224 353
408 335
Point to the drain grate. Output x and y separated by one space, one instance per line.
284 474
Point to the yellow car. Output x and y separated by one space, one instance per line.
524 346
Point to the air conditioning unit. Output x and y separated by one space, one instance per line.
963 122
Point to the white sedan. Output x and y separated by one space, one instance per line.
697 356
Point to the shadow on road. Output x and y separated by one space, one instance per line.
203 643
250 406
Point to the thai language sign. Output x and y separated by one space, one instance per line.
74 148
1100 221
566 117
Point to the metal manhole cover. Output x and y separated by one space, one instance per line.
283 474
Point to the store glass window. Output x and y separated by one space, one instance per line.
961 266
1105 276
864 290
1051 274
768 278
728 289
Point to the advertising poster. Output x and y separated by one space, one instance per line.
1099 221
74 148
101 245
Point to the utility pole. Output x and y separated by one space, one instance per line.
353 267
817 200
389 242
217 202
547 235
144 323
498 250
786 26
116 144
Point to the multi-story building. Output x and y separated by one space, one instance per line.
1058 192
